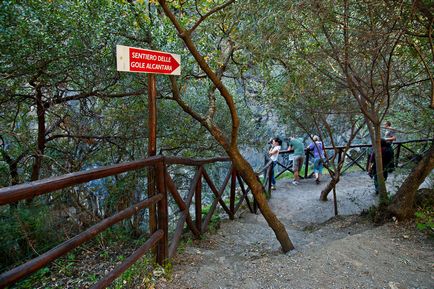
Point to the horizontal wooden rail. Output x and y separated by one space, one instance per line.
28 190
192 162
159 237
370 145
339 150
413 141
25 269
108 279
364 145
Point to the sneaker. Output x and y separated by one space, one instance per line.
317 181
273 187
295 183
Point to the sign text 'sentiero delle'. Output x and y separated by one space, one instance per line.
147 61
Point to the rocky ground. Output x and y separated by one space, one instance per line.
344 251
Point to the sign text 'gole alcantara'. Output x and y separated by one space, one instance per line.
147 61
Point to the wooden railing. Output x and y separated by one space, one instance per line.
165 186
359 159
165 248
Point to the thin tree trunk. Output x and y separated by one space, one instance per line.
40 146
379 165
13 171
13 167
332 184
229 144
402 205
247 173
40 149
375 133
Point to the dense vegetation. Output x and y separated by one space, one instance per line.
65 108
305 67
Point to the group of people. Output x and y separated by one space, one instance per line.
296 146
317 147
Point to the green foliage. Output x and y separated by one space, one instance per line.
142 274
4 175
35 278
64 52
425 220
66 266
25 231
183 244
371 213
107 249
214 223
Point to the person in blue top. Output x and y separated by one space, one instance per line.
297 146
318 155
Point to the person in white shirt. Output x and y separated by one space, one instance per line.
274 154
390 134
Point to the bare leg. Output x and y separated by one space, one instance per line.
296 176
317 175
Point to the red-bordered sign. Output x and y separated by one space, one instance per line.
134 59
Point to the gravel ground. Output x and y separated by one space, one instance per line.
344 251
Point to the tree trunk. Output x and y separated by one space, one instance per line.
402 205
40 150
13 167
13 171
249 176
332 184
230 145
376 142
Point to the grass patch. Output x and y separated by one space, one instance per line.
425 221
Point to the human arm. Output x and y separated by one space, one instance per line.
273 151
390 135
391 138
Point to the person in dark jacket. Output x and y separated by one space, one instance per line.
387 159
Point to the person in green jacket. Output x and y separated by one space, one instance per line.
297 146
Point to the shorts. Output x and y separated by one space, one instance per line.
317 166
297 163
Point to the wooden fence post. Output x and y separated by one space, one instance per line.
152 145
339 155
368 161
232 195
198 203
270 172
398 151
162 213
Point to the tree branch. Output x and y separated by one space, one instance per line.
212 11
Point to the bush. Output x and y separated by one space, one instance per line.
24 233
425 221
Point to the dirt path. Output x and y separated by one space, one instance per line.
331 252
